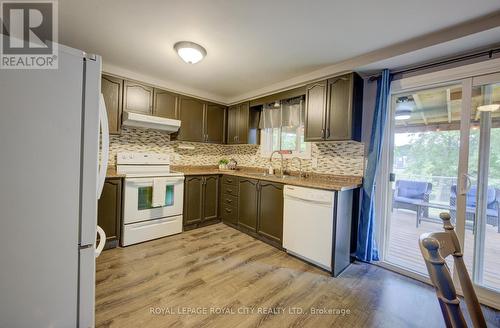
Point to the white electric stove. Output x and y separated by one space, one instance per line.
153 197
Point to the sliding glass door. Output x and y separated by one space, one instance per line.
482 211
444 156
425 143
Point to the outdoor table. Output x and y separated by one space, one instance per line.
422 204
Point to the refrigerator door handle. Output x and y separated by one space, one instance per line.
102 241
103 167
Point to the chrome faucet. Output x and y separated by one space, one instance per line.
301 174
271 160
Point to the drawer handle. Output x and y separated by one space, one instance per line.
228 210
229 180
229 201
230 190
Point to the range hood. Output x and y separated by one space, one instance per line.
150 122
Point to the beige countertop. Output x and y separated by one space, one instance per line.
111 173
314 180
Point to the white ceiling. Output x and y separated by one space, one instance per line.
251 44
433 53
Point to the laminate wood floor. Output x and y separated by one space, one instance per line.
217 276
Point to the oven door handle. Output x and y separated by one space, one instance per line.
148 181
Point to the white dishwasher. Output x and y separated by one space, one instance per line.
308 223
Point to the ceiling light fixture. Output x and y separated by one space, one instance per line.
488 108
190 52
404 108
403 114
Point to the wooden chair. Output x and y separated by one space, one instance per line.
435 247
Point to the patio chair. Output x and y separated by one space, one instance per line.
435 247
409 192
492 209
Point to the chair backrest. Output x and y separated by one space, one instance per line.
435 247
492 194
413 189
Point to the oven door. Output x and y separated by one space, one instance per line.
139 199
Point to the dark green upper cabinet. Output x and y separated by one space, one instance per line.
112 91
193 200
165 104
339 114
315 111
333 109
242 124
232 124
191 114
137 98
270 223
215 122
201 121
248 203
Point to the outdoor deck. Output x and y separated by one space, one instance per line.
403 247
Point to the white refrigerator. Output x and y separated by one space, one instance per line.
53 160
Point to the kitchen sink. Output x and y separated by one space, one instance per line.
260 174
265 174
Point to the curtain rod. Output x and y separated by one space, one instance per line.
489 53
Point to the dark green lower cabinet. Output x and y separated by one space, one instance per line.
261 210
229 209
193 200
270 222
248 204
109 211
201 200
211 198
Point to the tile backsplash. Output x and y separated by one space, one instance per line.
341 158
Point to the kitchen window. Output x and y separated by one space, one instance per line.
282 128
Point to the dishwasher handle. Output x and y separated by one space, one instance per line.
309 201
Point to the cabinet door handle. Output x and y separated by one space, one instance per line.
322 133
327 132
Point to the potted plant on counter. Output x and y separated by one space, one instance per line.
223 164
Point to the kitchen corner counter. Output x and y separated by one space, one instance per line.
314 180
111 173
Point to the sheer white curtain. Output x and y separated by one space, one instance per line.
286 113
